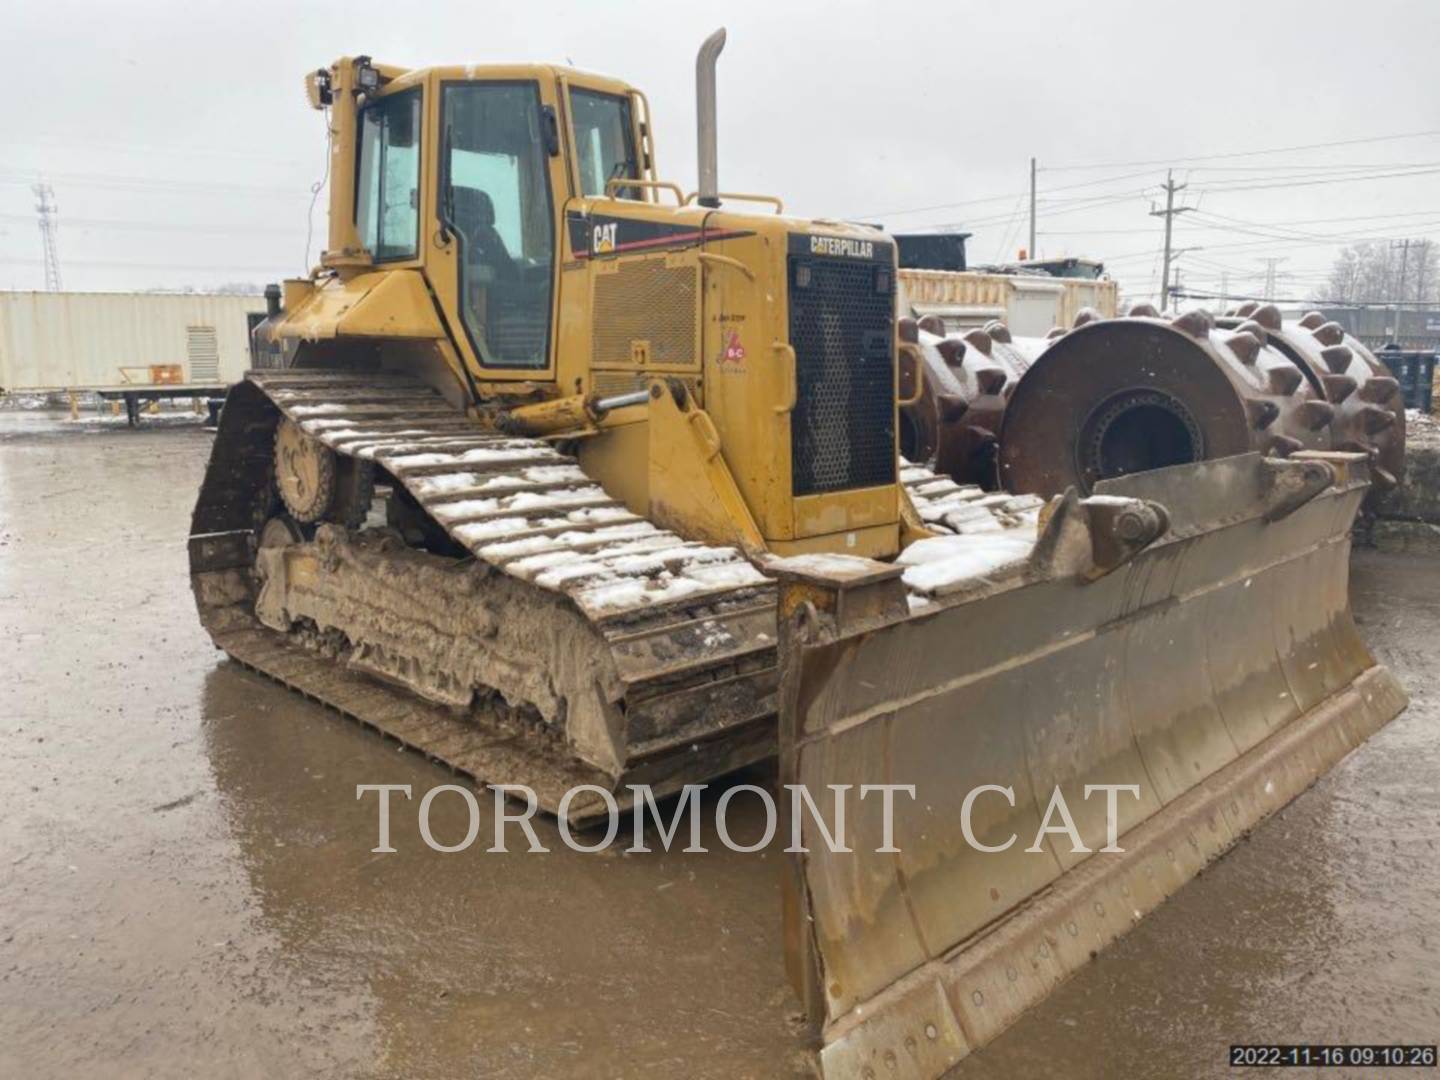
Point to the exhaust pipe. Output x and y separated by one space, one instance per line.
705 123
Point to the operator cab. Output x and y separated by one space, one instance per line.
500 141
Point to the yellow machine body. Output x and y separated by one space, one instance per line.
651 287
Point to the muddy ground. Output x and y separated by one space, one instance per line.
187 886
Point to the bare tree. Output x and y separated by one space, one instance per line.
1371 272
1426 258
1345 276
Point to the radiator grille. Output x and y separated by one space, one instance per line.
645 300
202 350
841 328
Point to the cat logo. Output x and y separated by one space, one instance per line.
603 239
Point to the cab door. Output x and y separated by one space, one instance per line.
500 176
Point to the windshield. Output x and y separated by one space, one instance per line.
604 141
387 205
497 201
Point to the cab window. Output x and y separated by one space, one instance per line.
387 206
495 199
604 141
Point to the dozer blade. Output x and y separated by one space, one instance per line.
1185 631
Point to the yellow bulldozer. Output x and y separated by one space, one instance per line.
566 477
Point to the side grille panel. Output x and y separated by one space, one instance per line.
842 328
646 300
609 383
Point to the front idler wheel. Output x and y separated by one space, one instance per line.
317 484
305 471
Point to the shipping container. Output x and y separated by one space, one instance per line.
131 345
1031 304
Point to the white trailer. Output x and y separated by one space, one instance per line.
137 347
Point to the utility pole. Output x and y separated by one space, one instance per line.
1175 254
1032 209
1169 215
1404 246
1270 265
45 207
1224 289
1422 268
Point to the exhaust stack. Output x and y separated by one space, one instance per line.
705 123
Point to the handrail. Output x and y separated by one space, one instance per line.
743 197
726 260
790 389
659 185
914 399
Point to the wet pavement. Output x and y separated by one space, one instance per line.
187 886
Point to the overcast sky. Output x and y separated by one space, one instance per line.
181 151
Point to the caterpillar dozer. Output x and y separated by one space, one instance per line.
565 477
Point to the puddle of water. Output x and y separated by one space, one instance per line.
187 886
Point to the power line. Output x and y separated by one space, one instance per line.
1282 234
1207 214
1332 166
1287 243
106 181
1092 232
1192 294
1090 201
158 226
130 264
989 198
92 145
1008 230
1222 186
1248 153
1271 178
1319 221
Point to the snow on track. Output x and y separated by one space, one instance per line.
530 511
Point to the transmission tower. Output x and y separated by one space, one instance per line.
1270 264
45 207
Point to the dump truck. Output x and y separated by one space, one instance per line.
567 477
1030 303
